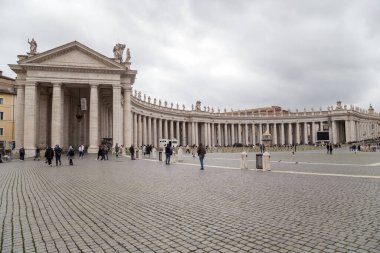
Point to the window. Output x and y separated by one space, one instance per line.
1 115
1 101
1 131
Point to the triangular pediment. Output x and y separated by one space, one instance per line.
73 54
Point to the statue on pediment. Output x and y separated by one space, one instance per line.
118 50
198 105
183 106
154 101
128 55
139 95
33 47
149 99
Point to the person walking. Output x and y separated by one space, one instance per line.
117 149
328 148
22 153
37 154
132 151
168 152
49 154
58 153
81 151
201 154
331 149
70 155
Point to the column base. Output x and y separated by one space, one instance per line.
93 150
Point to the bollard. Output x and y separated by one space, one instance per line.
243 160
180 155
140 154
136 154
160 156
266 162
154 155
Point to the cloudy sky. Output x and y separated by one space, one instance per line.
239 54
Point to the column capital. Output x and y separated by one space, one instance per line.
30 83
57 84
94 85
116 86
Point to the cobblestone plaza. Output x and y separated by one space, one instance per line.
310 202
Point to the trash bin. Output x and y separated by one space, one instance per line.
160 156
259 161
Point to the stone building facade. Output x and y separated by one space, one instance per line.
73 95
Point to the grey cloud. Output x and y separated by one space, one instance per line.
238 54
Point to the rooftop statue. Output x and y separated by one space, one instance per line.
118 50
33 46
128 55
198 105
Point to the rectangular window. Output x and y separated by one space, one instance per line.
1 131
1 115
1 101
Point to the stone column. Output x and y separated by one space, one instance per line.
20 107
225 134
290 136
117 116
274 134
135 143
196 134
184 140
154 132
30 118
145 134
56 114
347 126
232 134
314 132
212 134
305 135
334 134
298 141
94 118
159 129
171 130
246 134
353 130
253 134
239 133
166 135
149 133
139 131
261 133
192 133
127 116
205 131
282 138
218 142
177 134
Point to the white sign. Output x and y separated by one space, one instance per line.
83 104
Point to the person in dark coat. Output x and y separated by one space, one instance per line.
132 151
70 155
168 152
201 154
58 152
49 154
37 154
22 153
99 151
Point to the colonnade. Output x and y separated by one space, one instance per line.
149 130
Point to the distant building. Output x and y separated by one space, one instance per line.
7 102
73 95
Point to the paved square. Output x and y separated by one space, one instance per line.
331 204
